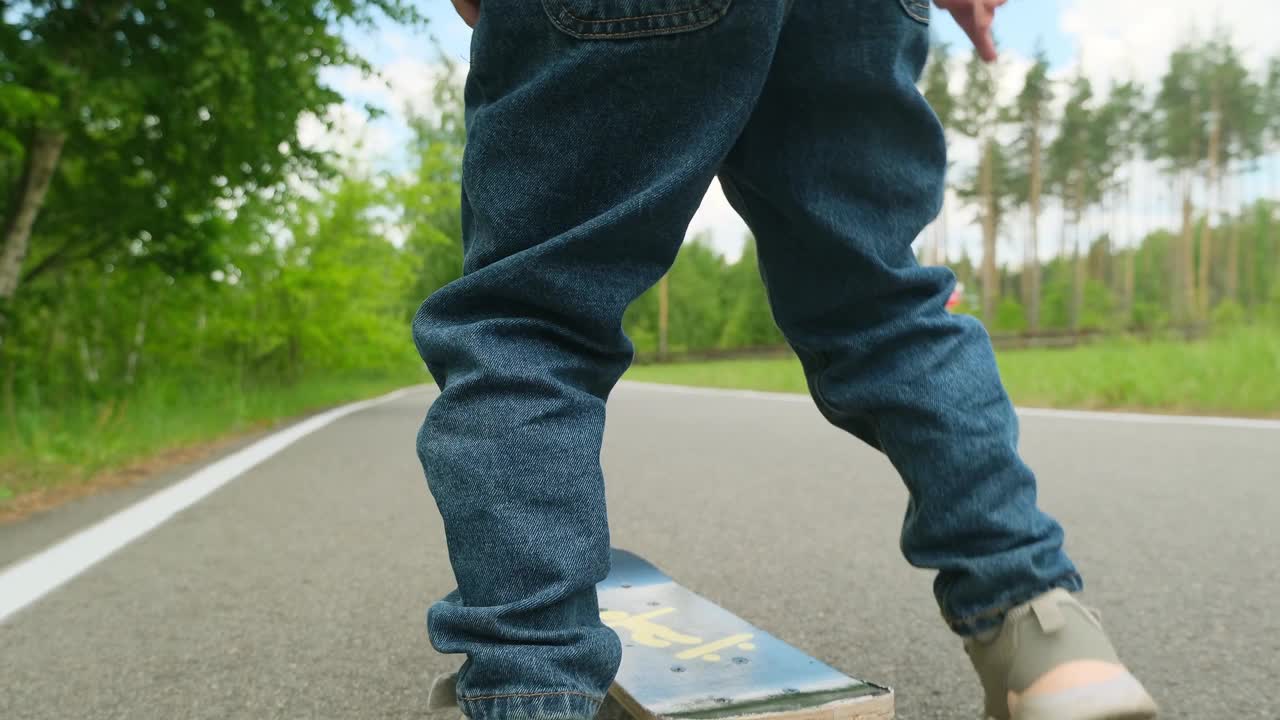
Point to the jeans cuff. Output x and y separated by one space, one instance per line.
989 619
531 706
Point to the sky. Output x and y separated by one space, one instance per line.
1106 39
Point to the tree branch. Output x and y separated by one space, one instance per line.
58 259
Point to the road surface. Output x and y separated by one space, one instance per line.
298 590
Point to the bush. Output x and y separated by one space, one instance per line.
1270 312
1149 316
1228 314
1011 317
1098 311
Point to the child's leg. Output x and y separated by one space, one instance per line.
591 141
838 172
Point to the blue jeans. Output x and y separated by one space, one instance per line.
594 128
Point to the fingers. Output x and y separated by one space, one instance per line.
984 43
984 12
975 17
469 10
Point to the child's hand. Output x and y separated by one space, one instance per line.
975 18
469 10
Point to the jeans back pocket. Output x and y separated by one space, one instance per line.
622 19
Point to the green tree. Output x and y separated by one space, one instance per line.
1271 106
700 291
1031 112
1011 317
1073 176
1177 137
698 306
1120 121
428 197
1270 240
1236 137
140 121
338 300
975 116
937 90
749 322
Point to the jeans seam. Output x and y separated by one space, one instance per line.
582 28
917 10
694 8
501 696
633 33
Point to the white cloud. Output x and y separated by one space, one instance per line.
401 88
718 218
346 130
1113 42
412 83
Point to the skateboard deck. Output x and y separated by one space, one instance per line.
684 656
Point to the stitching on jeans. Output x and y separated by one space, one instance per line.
586 29
641 33
565 9
917 10
519 695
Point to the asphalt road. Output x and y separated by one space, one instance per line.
299 589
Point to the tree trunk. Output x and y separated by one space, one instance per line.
43 153
935 245
1104 271
1028 283
664 311
1135 245
1215 190
1079 257
88 363
1130 284
1032 269
942 247
990 289
10 401
1078 279
1185 286
1249 260
942 219
202 321
1233 262
139 337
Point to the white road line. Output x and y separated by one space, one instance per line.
1151 419
33 578
1046 413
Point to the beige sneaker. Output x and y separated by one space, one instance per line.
1051 660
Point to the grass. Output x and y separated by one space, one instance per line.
1234 373
63 445
61 449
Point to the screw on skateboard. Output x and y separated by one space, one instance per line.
686 657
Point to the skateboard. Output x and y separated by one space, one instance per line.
685 657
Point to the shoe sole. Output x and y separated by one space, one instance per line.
1123 698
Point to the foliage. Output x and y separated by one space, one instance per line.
1011 317
175 115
